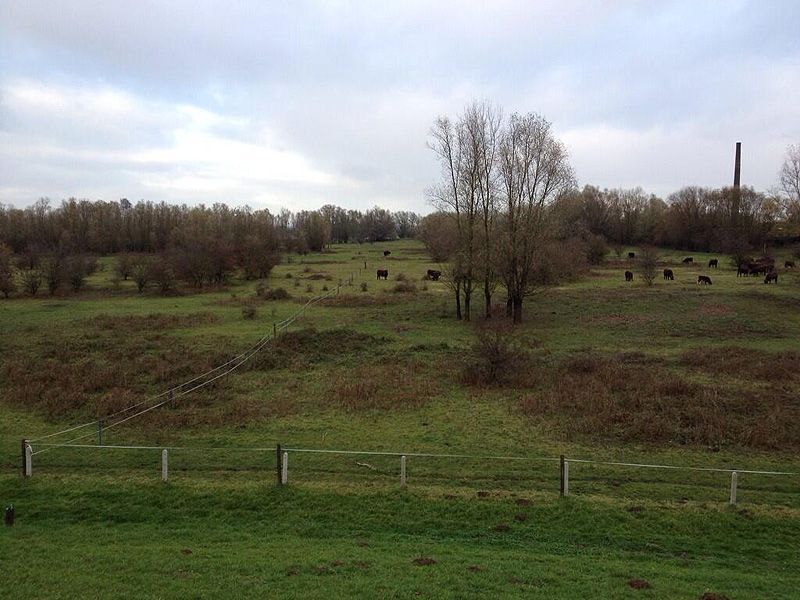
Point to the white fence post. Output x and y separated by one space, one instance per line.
566 477
403 471
164 465
285 469
28 460
734 483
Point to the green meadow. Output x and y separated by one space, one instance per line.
604 370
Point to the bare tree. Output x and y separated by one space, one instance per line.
648 261
790 181
467 151
534 169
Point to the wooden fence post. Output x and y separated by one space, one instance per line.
285 469
734 484
100 432
561 489
164 465
28 460
566 477
403 471
278 455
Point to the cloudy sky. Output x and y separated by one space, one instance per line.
296 104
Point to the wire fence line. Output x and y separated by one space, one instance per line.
182 389
434 473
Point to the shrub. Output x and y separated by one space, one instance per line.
54 274
405 287
309 288
324 288
401 277
76 271
275 294
163 275
596 249
495 356
124 265
141 274
364 286
249 312
31 281
7 284
649 264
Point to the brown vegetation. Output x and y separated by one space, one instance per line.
622 399
389 385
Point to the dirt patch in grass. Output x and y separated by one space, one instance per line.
389 385
745 363
151 322
603 397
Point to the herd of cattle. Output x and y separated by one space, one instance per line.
432 274
761 266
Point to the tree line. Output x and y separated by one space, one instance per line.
53 247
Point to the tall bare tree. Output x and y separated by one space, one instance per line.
790 181
534 169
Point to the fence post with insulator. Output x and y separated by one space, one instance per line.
164 465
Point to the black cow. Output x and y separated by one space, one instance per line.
628 276
789 264
386 253
383 273
742 271
703 279
772 276
631 255
668 275
712 264
687 260
434 275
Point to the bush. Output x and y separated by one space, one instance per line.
405 287
266 293
596 249
141 274
31 281
76 270
249 312
7 284
401 277
364 286
494 358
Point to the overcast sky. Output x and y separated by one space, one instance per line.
295 104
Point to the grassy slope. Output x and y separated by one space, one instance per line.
90 521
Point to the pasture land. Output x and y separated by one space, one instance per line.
675 373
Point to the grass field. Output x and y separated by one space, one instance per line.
676 374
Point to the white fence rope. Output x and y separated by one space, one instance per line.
419 455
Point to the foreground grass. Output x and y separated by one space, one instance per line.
125 537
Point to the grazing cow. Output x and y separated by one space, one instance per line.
771 276
386 253
704 279
668 276
742 271
687 260
434 275
631 255
712 264
789 264
383 273
628 276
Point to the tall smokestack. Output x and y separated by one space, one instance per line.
737 170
